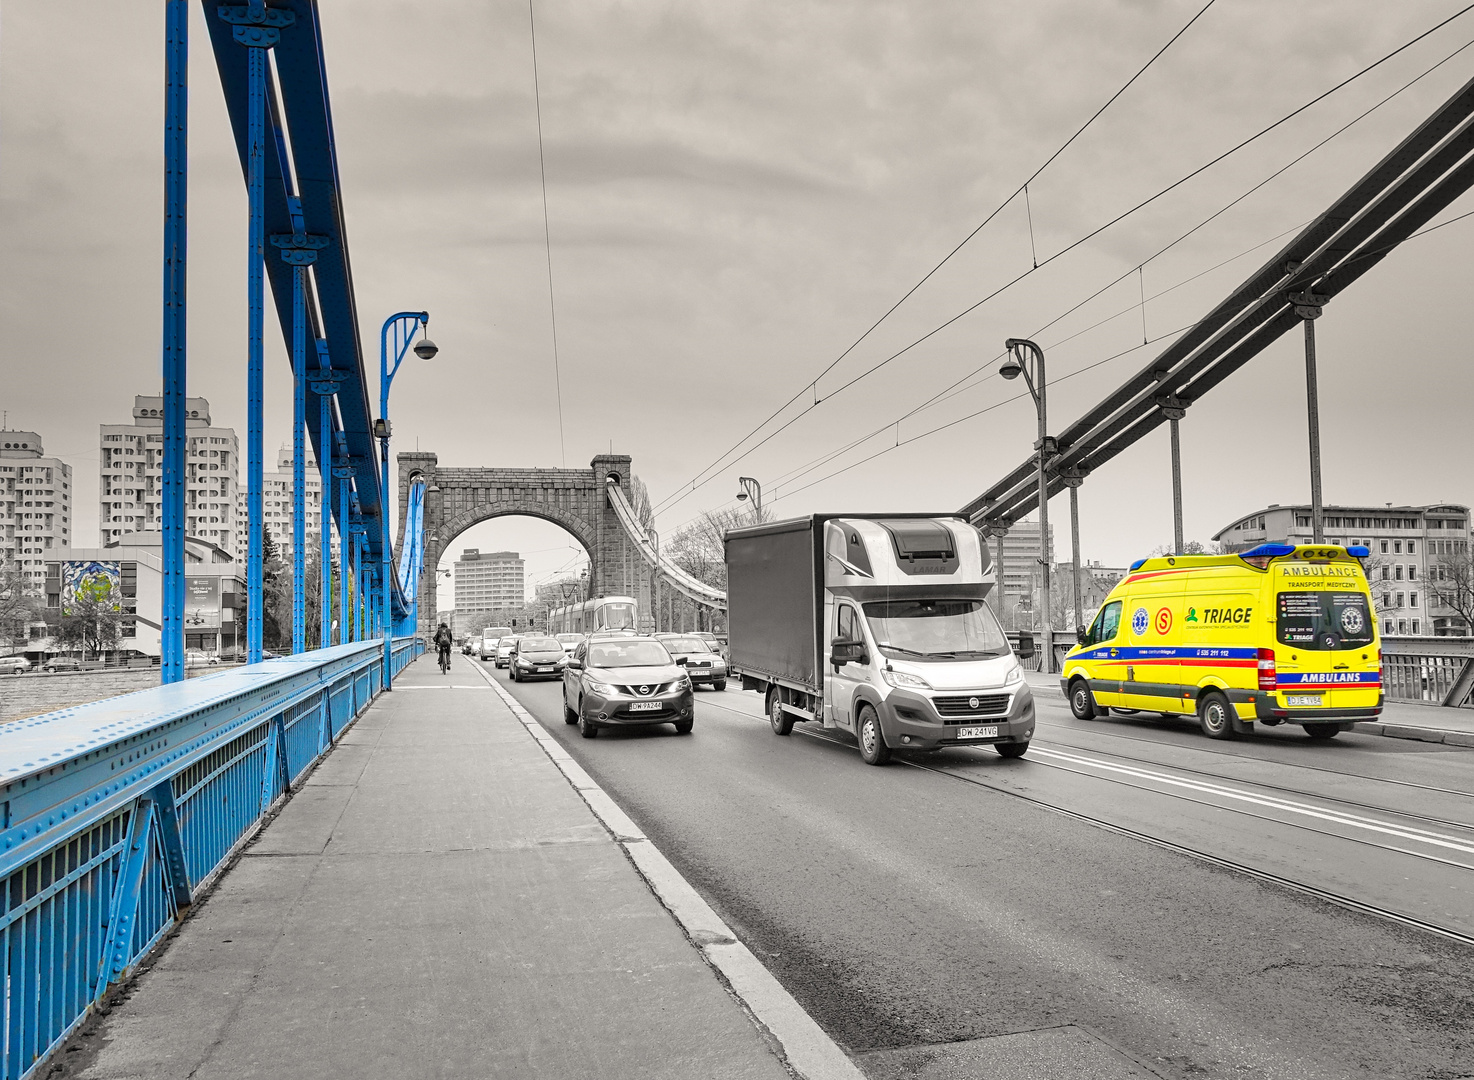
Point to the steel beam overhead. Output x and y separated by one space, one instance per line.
1399 195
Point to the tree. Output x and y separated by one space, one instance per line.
699 546
276 596
1450 584
92 622
1189 547
19 604
640 503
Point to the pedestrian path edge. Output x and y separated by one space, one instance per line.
808 1050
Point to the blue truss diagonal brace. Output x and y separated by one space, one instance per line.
123 912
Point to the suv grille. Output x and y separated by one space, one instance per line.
986 705
654 689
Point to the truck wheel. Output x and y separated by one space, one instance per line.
782 722
873 750
1215 716
1011 749
1082 701
1322 731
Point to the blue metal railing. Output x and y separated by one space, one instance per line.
115 813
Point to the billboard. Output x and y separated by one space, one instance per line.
201 604
84 580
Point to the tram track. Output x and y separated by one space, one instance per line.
1269 877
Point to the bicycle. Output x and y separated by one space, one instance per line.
444 660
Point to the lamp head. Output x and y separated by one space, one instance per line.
426 349
742 495
1010 368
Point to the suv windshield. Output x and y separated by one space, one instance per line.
1323 621
936 628
686 645
613 654
538 644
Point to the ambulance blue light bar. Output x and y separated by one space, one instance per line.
1137 565
1359 551
1268 551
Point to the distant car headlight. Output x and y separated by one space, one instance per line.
1015 675
901 678
600 688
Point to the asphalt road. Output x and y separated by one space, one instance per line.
909 905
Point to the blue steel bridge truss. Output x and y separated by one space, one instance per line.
303 219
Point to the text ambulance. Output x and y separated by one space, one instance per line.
1279 634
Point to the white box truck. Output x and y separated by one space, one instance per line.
875 625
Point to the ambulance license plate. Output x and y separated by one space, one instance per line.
1310 700
646 706
989 732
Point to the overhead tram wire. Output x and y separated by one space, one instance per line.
996 211
698 482
547 232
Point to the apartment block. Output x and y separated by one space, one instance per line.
489 581
277 507
35 504
131 475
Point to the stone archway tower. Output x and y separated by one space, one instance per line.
457 498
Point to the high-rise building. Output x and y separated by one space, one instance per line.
1405 569
276 503
35 504
490 581
131 474
1016 555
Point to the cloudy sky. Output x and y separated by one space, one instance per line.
736 191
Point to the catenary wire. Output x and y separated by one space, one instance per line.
547 232
701 478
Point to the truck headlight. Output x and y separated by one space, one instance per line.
901 678
1016 675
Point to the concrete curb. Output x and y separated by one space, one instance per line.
803 1044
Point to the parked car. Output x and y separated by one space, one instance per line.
616 680
14 665
695 653
199 658
569 641
536 656
62 663
504 647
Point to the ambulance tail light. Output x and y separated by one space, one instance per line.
1267 677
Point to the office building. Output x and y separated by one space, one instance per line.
35 505
1407 544
489 581
277 504
1016 562
131 473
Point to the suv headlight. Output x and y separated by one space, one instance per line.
1015 675
602 689
901 678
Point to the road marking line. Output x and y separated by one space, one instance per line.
1416 835
807 1048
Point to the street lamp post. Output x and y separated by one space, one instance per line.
402 326
1020 351
655 582
1308 307
750 488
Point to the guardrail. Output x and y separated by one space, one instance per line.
116 813
1433 671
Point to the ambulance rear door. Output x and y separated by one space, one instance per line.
1325 636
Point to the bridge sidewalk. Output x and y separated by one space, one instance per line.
1399 720
436 901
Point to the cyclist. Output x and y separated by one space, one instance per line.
443 642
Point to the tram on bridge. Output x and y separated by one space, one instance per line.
591 616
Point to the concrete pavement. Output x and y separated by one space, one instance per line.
436 901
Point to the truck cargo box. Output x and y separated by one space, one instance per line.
775 600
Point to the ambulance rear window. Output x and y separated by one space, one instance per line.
1323 621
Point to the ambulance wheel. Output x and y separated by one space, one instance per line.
1322 731
1082 701
873 750
1215 716
781 722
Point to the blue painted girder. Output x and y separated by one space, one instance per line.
301 114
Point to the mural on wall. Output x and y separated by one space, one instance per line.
86 580
202 603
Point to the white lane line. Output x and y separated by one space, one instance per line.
1355 821
807 1048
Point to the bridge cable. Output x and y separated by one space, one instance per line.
996 211
547 233
697 482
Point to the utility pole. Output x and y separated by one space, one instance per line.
1308 306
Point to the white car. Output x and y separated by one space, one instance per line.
504 648
14 665
199 658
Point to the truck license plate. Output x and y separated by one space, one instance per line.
646 706
1312 700
989 732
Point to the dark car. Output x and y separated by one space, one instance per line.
619 680
701 661
62 663
536 656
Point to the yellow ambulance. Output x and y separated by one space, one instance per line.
1279 634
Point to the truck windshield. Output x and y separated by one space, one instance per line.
936 629
1323 621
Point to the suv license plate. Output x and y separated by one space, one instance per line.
989 732
646 706
1312 700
